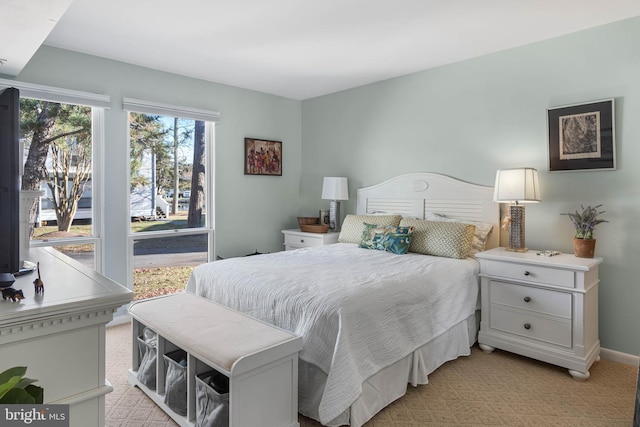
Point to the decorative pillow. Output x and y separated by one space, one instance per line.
482 233
353 225
445 239
386 238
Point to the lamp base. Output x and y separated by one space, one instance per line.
516 229
334 215
517 249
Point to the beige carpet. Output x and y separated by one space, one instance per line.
498 389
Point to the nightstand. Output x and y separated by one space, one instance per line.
295 239
541 307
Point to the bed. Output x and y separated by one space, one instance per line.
372 321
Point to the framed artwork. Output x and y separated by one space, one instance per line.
582 137
262 157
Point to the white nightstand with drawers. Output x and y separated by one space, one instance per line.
541 307
296 239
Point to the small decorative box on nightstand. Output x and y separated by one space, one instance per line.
295 239
541 307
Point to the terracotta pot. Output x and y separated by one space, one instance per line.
584 248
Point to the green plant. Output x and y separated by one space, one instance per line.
14 388
585 221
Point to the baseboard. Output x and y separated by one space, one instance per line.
616 356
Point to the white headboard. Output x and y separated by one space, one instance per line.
417 194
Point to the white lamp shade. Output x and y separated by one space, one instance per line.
335 188
517 185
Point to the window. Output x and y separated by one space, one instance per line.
61 136
170 198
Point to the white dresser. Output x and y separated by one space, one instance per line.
59 335
295 239
541 307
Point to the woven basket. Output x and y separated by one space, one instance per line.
314 228
308 220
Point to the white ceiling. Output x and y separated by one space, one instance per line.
24 25
294 48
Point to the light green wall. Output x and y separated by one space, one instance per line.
250 210
470 118
465 120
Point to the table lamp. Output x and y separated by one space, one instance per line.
335 189
516 186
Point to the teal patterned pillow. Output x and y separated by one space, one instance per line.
445 239
353 225
386 238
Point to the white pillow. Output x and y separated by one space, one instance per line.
481 235
392 213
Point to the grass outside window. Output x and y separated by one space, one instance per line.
148 280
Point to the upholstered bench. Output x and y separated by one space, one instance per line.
260 360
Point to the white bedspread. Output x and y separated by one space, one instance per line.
358 310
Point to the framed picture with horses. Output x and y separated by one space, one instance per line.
262 157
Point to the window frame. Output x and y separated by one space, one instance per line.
210 118
98 103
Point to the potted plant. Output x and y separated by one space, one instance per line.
14 388
585 222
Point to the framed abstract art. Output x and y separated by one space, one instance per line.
582 137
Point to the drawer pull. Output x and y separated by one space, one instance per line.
526 273
527 326
301 240
527 299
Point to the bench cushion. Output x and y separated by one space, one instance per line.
207 329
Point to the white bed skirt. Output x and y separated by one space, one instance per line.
391 383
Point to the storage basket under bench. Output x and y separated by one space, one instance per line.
183 337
